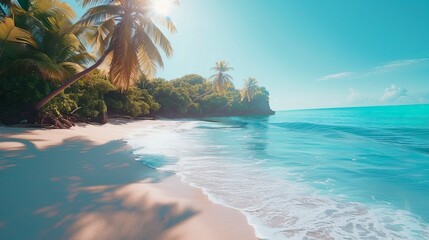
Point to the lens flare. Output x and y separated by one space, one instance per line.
163 7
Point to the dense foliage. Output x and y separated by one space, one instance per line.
94 96
176 98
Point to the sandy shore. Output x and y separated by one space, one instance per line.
83 183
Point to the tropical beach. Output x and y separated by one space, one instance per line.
116 181
84 183
206 120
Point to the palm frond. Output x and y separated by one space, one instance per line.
144 41
166 22
148 65
98 14
98 37
85 3
48 70
159 38
62 47
53 9
124 66
227 77
10 33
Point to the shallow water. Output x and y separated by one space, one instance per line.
350 173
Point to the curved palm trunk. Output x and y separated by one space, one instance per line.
70 81
202 95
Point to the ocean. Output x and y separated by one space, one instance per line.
345 173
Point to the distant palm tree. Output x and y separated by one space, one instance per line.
124 33
221 81
249 89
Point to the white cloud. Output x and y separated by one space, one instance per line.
383 68
393 93
335 76
390 66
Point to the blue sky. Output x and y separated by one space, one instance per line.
309 54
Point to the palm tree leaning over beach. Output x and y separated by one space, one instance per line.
249 89
124 34
221 80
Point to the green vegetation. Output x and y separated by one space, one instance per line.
175 98
48 77
93 95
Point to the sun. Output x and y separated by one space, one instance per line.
163 7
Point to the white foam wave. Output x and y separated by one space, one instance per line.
277 208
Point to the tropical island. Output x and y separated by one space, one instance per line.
106 134
56 71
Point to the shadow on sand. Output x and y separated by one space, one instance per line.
77 190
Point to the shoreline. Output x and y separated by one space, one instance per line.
109 191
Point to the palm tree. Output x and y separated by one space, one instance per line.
124 33
54 52
221 80
249 89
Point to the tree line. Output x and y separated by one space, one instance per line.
49 76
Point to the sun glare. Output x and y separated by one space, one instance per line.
163 7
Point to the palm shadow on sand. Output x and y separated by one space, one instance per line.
78 190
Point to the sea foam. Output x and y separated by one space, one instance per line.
277 199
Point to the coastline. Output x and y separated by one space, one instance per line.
83 183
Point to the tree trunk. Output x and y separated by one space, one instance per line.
102 117
70 81
202 95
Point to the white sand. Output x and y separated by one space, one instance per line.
83 183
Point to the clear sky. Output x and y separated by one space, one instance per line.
307 53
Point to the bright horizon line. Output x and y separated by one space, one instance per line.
362 106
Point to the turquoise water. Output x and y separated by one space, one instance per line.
350 173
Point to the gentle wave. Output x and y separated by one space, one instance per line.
396 136
236 163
